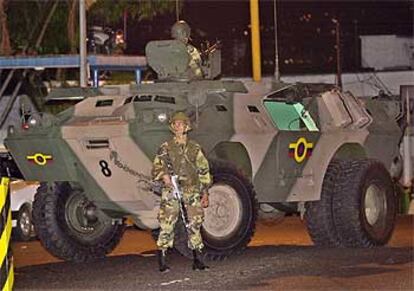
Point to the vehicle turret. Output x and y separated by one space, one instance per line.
176 59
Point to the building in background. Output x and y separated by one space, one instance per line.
387 52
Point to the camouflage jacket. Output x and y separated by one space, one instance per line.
195 61
188 162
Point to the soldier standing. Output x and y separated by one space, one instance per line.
181 31
189 163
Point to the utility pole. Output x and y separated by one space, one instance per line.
177 10
82 45
277 70
255 39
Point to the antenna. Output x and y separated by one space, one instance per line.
277 71
177 9
82 45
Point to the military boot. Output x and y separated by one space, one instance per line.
161 261
198 263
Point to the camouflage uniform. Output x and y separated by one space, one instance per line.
181 31
191 166
195 61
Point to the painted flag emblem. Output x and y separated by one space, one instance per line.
300 149
39 159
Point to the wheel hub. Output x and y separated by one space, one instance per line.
90 213
224 212
81 214
25 223
375 204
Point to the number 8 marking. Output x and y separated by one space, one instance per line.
105 168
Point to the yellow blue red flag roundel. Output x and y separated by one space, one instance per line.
40 159
300 150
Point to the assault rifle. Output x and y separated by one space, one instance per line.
207 49
179 196
177 192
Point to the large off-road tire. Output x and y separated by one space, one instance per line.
66 231
319 215
365 204
230 219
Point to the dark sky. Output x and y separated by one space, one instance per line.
305 30
218 17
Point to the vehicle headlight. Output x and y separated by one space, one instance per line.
10 129
34 120
162 117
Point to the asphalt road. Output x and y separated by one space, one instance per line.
279 257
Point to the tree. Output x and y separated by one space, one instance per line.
30 24
26 19
110 11
5 47
73 21
71 27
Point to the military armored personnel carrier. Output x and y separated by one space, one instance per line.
305 148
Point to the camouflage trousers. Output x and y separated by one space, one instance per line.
169 214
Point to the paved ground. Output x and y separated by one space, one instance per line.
280 257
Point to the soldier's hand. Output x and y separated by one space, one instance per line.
204 200
167 180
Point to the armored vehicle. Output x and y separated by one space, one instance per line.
301 148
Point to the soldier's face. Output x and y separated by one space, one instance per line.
179 126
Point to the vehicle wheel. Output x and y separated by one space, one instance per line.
24 230
365 204
319 215
70 227
230 219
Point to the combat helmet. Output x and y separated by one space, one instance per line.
180 115
181 31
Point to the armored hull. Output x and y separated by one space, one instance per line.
297 148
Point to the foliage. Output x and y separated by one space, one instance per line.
56 38
25 19
5 47
111 11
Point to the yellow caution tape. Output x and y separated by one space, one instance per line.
6 259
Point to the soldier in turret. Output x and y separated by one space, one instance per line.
188 162
181 31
